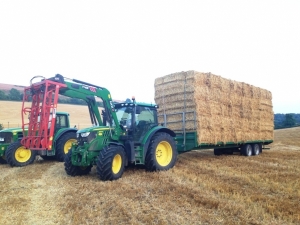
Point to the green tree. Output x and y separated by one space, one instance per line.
2 95
1 126
289 120
14 94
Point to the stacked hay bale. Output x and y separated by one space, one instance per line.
219 109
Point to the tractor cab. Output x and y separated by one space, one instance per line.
136 119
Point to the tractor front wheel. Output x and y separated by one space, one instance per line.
75 170
162 153
64 145
111 163
17 155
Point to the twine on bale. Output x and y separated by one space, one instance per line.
226 110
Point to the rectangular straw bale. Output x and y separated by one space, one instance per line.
226 110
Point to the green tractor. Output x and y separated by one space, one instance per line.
132 136
124 133
16 154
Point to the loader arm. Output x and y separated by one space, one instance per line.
44 99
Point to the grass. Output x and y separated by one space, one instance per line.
201 189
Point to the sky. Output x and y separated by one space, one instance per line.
124 45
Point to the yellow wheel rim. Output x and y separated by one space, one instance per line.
22 154
116 164
164 153
68 145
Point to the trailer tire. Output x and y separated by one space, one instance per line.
255 149
217 151
75 170
246 150
3 160
17 155
162 153
63 146
111 162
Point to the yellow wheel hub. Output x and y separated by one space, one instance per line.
164 153
22 154
116 164
68 145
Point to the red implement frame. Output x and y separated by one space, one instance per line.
42 114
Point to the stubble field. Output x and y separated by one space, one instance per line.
200 189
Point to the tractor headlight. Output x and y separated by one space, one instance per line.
85 134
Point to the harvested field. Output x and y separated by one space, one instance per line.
10 114
200 189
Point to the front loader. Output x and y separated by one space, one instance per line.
124 133
47 132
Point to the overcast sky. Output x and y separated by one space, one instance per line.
125 45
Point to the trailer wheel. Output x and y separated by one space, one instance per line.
75 170
162 153
255 149
3 160
64 145
111 163
218 151
246 150
17 155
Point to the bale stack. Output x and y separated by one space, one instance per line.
219 109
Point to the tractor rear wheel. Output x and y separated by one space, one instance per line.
111 163
75 170
162 153
3 160
17 155
64 144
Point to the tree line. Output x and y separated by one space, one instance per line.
286 120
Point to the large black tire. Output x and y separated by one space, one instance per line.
64 144
17 155
218 151
75 170
246 150
255 149
162 153
3 160
111 163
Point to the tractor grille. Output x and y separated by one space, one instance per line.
6 137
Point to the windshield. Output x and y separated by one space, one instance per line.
145 114
124 115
